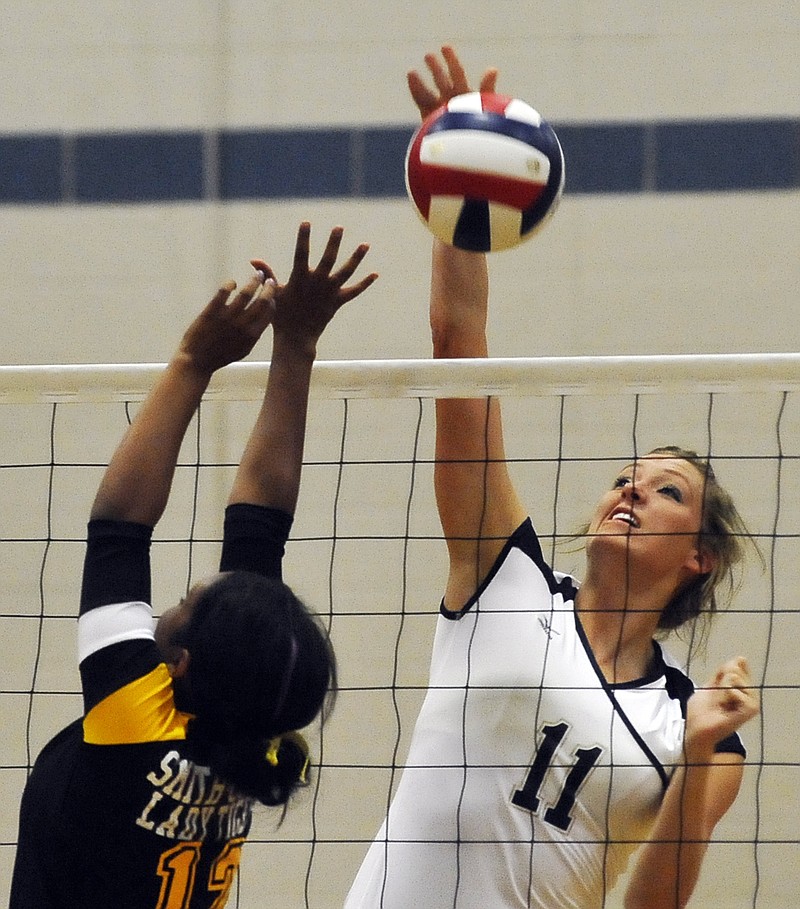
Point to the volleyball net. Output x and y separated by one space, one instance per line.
367 554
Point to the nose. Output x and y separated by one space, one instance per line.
631 492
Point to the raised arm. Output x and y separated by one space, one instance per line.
137 482
699 794
478 505
269 471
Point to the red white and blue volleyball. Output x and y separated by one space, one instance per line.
484 172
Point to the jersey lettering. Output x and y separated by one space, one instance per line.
528 797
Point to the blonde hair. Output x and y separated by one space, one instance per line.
722 536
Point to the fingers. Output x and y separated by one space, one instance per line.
255 294
489 81
343 275
320 286
449 79
734 673
441 77
457 76
302 246
267 274
350 293
734 680
220 298
423 97
331 252
346 271
328 260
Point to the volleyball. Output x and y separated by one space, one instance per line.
484 172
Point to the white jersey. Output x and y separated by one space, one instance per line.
530 780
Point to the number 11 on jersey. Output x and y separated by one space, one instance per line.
528 797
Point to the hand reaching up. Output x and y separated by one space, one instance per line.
449 80
307 302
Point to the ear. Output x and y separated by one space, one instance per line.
179 666
701 561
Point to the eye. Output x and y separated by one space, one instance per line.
672 491
621 481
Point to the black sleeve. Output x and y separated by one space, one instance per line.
732 744
116 566
254 539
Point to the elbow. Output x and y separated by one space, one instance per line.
637 897
653 901
451 340
646 898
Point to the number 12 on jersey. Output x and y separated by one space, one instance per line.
528 797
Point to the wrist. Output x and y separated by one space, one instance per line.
698 752
187 366
300 348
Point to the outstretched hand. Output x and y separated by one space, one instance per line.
449 80
720 708
312 296
229 327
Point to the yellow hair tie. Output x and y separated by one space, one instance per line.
274 747
272 751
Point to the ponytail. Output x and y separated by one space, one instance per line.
268 770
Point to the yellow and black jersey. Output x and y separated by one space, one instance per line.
116 812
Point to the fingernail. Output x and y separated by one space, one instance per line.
261 275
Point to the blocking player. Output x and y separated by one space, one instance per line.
145 802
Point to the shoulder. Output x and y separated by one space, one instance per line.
520 566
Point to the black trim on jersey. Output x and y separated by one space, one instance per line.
525 539
678 685
609 690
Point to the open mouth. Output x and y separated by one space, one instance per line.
625 517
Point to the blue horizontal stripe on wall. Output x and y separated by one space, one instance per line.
367 162
142 167
31 169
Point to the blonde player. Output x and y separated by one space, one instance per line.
557 742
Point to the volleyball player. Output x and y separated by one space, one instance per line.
558 744
146 801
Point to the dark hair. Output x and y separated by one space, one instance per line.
260 665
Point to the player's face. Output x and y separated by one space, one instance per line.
653 512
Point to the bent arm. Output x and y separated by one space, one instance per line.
699 794
669 864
